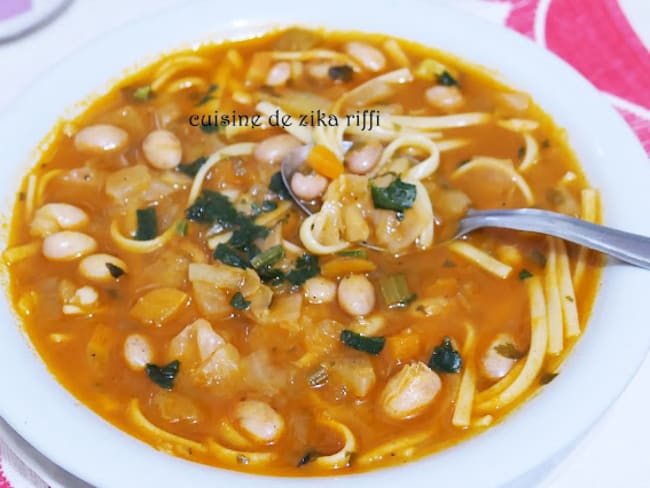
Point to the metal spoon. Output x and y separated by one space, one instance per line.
630 248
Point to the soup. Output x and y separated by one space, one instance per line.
169 281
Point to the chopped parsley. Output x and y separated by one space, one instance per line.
354 253
306 267
163 376
509 350
228 256
341 73
181 228
278 187
445 359
114 270
208 95
370 345
190 169
143 93
211 208
239 302
398 195
524 274
521 152
446 79
147 226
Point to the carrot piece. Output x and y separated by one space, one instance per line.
343 266
324 162
402 347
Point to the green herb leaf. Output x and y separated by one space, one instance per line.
397 196
341 73
208 95
268 257
163 376
521 152
147 227
307 458
546 143
212 207
306 267
228 256
446 79
114 270
509 350
524 274
270 275
245 233
212 128
143 93
278 187
190 169
371 345
181 228
448 263
239 302
395 291
445 359
354 253
546 378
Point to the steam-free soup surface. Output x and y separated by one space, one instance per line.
170 284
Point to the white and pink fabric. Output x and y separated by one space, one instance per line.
593 36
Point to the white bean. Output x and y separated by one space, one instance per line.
444 97
275 148
101 138
162 149
53 217
363 160
137 352
68 245
318 70
370 57
493 364
279 74
308 187
319 290
410 391
96 267
259 421
356 295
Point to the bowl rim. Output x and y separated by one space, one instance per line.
87 446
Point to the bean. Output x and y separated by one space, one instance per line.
101 138
356 295
137 352
444 97
319 290
162 149
275 148
95 267
370 57
279 74
410 391
53 217
308 187
259 421
363 160
493 364
68 245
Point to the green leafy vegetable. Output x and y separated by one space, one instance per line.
306 267
524 274
268 257
114 270
181 228
143 93
446 79
211 208
354 253
245 233
371 345
190 169
395 291
147 227
278 187
397 196
208 95
239 302
163 376
445 359
271 275
228 256
307 458
211 128
341 73
509 350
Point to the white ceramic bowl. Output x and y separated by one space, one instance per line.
595 374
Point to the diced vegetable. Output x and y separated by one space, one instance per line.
268 257
395 291
341 73
324 162
147 228
306 267
355 373
371 345
278 187
445 359
163 376
403 347
190 169
143 93
157 306
343 266
398 196
353 253
239 302
126 183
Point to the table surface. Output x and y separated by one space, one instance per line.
615 449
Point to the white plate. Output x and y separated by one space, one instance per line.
603 362
24 15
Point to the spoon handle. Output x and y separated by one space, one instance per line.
628 247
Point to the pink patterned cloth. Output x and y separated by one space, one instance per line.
593 36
